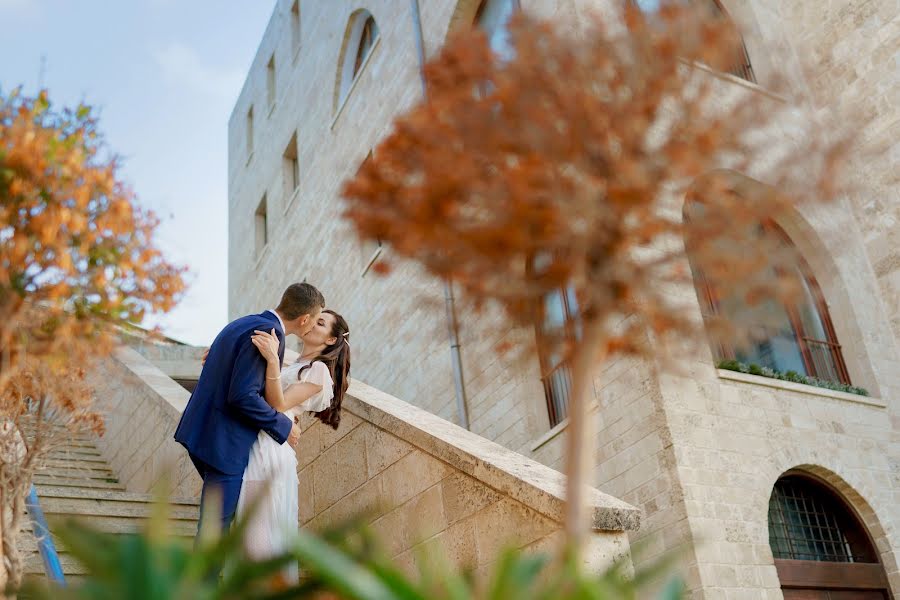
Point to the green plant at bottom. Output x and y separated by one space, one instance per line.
154 565
345 563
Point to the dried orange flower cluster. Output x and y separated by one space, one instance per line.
76 258
76 251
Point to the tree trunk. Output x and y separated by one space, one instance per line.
10 559
3 577
11 571
581 440
15 478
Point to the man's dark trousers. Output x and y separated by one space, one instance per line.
224 488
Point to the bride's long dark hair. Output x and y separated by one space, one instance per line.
337 358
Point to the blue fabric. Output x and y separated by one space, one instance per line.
227 411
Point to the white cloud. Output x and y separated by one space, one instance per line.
182 66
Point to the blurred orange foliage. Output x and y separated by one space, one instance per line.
77 257
566 162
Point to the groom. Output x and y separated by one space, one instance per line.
227 411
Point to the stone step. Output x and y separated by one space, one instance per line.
112 508
35 566
75 449
69 437
90 462
48 491
181 530
72 579
112 524
75 477
40 479
94 471
87 459
77 481
95 462
82 444
78 448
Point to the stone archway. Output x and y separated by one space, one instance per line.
821 546
850 491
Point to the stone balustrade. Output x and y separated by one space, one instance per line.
420 480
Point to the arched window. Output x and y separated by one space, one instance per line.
819 544
741 64
362 34
366 43
493 18
796 337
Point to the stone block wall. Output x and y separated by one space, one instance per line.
853 48
424 482
733 437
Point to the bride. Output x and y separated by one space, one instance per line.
315 383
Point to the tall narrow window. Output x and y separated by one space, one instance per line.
560 308
249 132
262 227
290 169
270 82
366 43
559 318
295 27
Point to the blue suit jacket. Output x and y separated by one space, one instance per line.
226 412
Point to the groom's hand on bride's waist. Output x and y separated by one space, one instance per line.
294 437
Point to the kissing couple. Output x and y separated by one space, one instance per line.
241 425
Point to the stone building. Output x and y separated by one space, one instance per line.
777 488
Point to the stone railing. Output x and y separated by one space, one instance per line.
421 479
418 478
141 406
176 361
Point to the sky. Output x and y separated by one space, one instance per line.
164 75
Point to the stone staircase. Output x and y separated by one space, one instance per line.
76 481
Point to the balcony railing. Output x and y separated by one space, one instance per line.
826 362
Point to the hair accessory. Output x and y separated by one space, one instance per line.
346 333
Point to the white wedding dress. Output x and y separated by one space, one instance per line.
275 520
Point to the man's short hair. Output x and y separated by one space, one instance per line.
300 299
